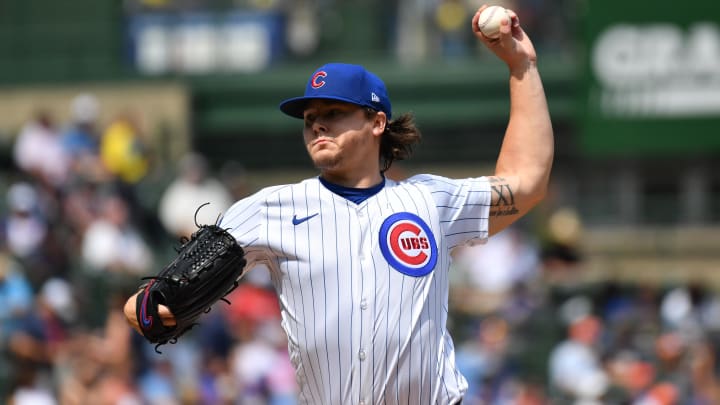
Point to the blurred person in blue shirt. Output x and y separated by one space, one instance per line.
81 139
81 136
16 295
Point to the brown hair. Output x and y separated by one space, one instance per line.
397 142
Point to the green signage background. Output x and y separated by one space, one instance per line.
651 78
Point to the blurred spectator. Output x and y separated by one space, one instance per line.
659 394
27 234
215 337
492 270
29 390
39 152
97 365
115 255
704 372
483 361
57 311
115 389
123 150
259 362
262 368
193 187
217 386
42 336
81 139
253 300
24 229
576 369
125 154
112 243
157 384
451 17
672 363
81 136
671 350
631 376
560 252
79 207
16 303
689 309
16 296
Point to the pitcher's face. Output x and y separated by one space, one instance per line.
339 135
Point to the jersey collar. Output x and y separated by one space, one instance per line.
356 195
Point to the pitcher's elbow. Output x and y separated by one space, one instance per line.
538 194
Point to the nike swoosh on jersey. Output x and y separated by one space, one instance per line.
298 221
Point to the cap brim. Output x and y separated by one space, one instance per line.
295 107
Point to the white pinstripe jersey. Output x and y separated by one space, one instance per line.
363 288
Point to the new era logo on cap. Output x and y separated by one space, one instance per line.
341 82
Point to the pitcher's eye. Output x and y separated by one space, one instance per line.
309 119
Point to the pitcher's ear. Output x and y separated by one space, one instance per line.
380 123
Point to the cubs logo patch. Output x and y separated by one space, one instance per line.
408 244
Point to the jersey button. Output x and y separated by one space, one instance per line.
361 355
362 403
363 304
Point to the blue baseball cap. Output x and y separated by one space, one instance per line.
341 82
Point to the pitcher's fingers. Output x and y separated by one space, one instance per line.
514 19
505 28
166 316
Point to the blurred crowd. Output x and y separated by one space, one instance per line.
534 330
86 216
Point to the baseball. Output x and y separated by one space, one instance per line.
490 19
